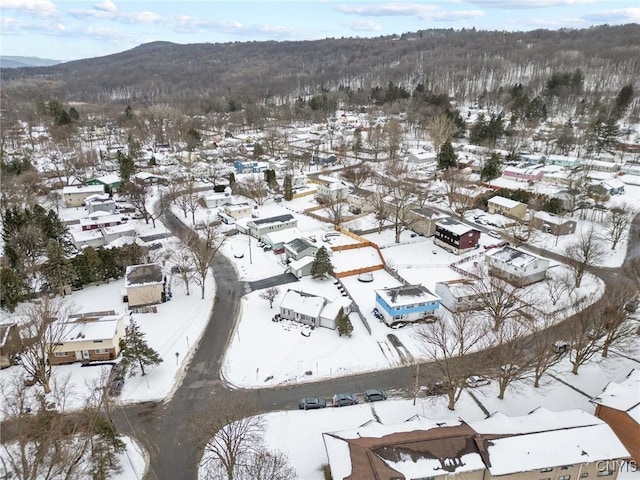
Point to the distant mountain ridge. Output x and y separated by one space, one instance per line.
461 63
9 61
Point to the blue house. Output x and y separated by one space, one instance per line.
250 166
407 303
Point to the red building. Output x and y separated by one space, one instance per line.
456 237
100 220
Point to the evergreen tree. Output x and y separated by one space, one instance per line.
321 266
127 167
193 139
58 270
623 100
288 187
13 288
343 324
136 353
447 157
73 114
492 168
357 143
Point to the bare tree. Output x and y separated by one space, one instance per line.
138 194
265 465
511 363
270 294
440 129
498 300
617 223
381 208
335 207
544 354
254 188
556 286
586 331
455 186
632 271
617 328
446 342
235 434
43 442
181 260
394 133
204 243
584 253
358 174
43 328
401 198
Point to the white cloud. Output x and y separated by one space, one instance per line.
38 8
188 24
117 16
528 3
106 6
626 15
418 10
364 26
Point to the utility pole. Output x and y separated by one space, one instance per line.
415 387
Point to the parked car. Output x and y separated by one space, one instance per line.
344 399
311 403
494 234
477 381
375 395
116 386
561 346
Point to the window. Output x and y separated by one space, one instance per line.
545 478
549 469
97 341
564 477
61 354
605 473
566 467
102 350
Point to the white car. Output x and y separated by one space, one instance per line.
494 234
477 381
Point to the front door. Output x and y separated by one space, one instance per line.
78 355
85 354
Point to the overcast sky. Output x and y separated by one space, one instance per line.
68 30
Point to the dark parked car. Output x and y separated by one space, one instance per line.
311 403
344 399
116 386
375 395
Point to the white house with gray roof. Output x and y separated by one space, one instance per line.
313 310
259 227
517 266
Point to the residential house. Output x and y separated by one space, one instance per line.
619 406
277 240
301 268
216 199
360 200
299 248
100 219
111 234
333 191
553 224
311 309
613 186
423 220
147 178
144 284
238 210
100 203
424 159
88 339
566 445
299 181
631 168
524 173
517 266
109 182
507 207
250 166
455 236
562 161
75 195
603 166
9 343
406 303
259 227
458 295
86 238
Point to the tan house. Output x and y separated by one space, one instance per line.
74 195
88 339
239 210
507 207
423 220
619 406
144 284
567 445
553 224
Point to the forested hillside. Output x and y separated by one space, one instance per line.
464 64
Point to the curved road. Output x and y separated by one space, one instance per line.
165 429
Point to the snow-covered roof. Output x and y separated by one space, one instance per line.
303 303
513 256
100 217
298 245
504 202
281 236
303 262
87 329
85 235
454 226
613 183
623 396
273 220
552 218
145 274
88 189
459 288
406 295
108 179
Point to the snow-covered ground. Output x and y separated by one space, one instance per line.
299 433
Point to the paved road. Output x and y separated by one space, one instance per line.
275 281
164 429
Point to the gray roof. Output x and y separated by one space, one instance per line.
142 274
280 218
298 245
